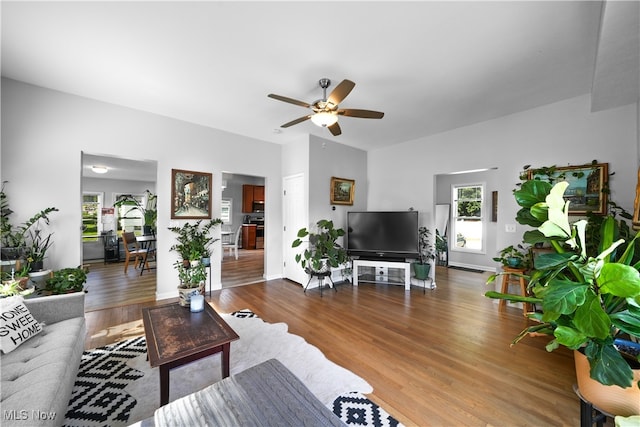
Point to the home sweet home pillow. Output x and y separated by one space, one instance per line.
17 324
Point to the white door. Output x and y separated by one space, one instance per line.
295 218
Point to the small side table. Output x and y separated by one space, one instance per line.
506 278
321 275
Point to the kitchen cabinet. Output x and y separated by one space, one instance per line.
258 193
252 195
248 236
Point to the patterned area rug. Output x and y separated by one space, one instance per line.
104 391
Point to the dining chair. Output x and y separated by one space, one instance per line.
133 251
232 245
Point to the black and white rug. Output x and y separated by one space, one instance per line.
117 387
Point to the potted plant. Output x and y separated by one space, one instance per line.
193 243
192 281
16 283
587 301
194 240
25 240
442 248
426 253
324 251
148 211
515 257
38 242
67 280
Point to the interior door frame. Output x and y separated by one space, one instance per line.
293 220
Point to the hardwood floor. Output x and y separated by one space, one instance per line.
248 268
109 286
433 359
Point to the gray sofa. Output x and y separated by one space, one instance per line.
38 376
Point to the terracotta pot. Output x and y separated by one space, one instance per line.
612 399
185 294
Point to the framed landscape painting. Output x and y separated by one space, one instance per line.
190 194
586 186
342 191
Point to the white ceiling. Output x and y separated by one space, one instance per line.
119 168
430 66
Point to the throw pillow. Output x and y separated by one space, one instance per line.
17 324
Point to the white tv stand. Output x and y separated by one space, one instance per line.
381 274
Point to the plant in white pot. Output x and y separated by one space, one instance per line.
588 301
426 253
192 281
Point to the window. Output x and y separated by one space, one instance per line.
226 213
129 217
468 217
91 216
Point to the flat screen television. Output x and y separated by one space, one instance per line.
391 235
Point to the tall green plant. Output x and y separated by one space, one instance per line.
587 300
29 235
426 251
193 240
323 247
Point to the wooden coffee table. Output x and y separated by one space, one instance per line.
176 336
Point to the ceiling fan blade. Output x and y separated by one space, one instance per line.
335 129
296 121
364 114
289 100
340 92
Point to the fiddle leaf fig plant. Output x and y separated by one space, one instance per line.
587 300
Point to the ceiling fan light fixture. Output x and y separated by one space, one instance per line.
324 118
99 169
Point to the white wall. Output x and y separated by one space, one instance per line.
563 133
328 158
45 131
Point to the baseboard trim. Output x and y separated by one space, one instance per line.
473 266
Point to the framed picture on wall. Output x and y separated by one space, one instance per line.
190 194
586 186
342 191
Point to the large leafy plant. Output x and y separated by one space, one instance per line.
426 251
193 240
323 249
29 237
587 299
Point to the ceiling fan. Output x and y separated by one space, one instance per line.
325 110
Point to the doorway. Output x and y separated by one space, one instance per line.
457 254
244 222
104 178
